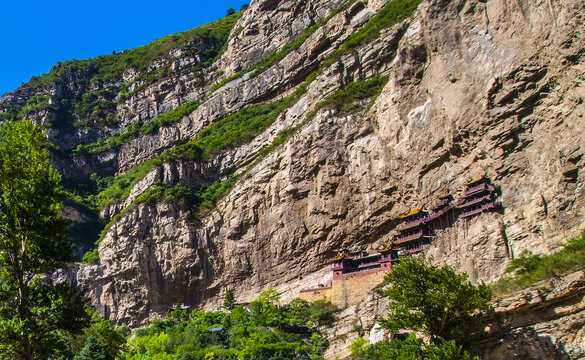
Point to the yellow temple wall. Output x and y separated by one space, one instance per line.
350 289
316 294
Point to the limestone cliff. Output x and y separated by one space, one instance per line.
475 88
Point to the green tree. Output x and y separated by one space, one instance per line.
93 350
409 349
32 243
231 11
113 339
228 302
434 300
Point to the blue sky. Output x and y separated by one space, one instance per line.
38 34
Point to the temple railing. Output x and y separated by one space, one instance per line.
477 201
385 258
412 223
484 207
402 239
441 212
356 270
416 249
412 249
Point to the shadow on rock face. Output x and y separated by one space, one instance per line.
523 343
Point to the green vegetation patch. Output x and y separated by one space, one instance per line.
284 51
263 331
391 14
108 67
530 268
137 129
237 129
343 101
232 131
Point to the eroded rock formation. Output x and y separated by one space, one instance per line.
475 88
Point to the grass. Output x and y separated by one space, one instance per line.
343 101
392 13
232 131
195 200
282 53
137 129
529 268
108 67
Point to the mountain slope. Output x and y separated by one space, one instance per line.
473 88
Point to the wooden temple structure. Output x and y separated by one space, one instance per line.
417 229
480 196
444 213
355 272
419 226
414 232
357 259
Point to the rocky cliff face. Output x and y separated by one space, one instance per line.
542 322
475 88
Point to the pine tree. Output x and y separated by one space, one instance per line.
228 302
93 350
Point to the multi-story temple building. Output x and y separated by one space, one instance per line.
355 272
480 196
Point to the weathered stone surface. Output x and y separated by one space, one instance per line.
476 88
545 321
463 100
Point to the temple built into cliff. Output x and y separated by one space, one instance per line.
355 272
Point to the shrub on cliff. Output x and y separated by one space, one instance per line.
529 268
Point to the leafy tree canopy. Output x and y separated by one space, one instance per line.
409 349
32 243
434 300
228 302
262 331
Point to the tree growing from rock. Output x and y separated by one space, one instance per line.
436 301
32 243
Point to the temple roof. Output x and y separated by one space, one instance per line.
477 180
411 226
412 212
384 247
